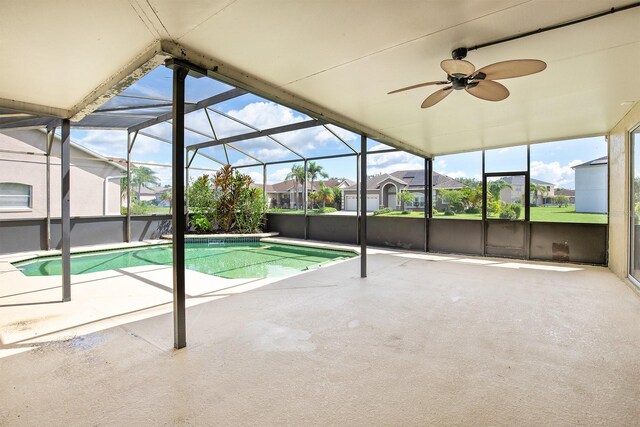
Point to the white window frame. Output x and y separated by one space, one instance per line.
18 208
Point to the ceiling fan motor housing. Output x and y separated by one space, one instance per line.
459 53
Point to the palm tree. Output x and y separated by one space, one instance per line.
537 189
297 175
143 176
495 187
324 195
167 196
314 170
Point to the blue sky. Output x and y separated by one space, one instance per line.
549 162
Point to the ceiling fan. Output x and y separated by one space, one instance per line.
479 83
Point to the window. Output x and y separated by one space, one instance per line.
15 196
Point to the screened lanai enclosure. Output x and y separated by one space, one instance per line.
447 195
178 112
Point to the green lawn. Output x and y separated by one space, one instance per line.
399 213
565 214
538 214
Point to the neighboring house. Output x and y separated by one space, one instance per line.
591 186
382 190
151 194
285 194
95 181
516 192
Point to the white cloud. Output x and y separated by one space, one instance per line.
277 175
255 176
109 143
561 176
391 162
457 174
163 173
440 164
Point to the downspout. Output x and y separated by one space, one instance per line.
106 191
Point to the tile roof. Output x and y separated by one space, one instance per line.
413 179
519 180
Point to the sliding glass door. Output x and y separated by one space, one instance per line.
634 252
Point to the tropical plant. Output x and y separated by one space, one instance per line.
227 202
201 202
337 197
324 195
250 210
405 197
141 176
312 197
561 200
228 185
507 212
326 210
472 196
314 171
298 176
201 224
453 201
496 187
537 190
382 211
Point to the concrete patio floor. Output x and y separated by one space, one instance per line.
425 340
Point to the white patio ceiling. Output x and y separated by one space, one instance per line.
339 59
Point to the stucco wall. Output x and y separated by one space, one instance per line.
619 191
591 189
87 177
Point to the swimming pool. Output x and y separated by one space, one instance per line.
228 260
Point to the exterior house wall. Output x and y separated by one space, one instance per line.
618 158
591 189
87 177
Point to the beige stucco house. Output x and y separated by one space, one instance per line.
95 181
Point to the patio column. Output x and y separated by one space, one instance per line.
363 206
428 210
264 187
130 141
357 199
304 199
65 208
178 218
50 139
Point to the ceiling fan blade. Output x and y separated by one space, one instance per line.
511 69
436 97
457 66
417 86
488 90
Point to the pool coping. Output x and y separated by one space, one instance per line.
223 236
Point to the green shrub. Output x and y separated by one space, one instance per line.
326 210
226 202
201 224
493 207
405 213
510 211
449 212
517 208
473 210
382 211
250 208
434 211
201 202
